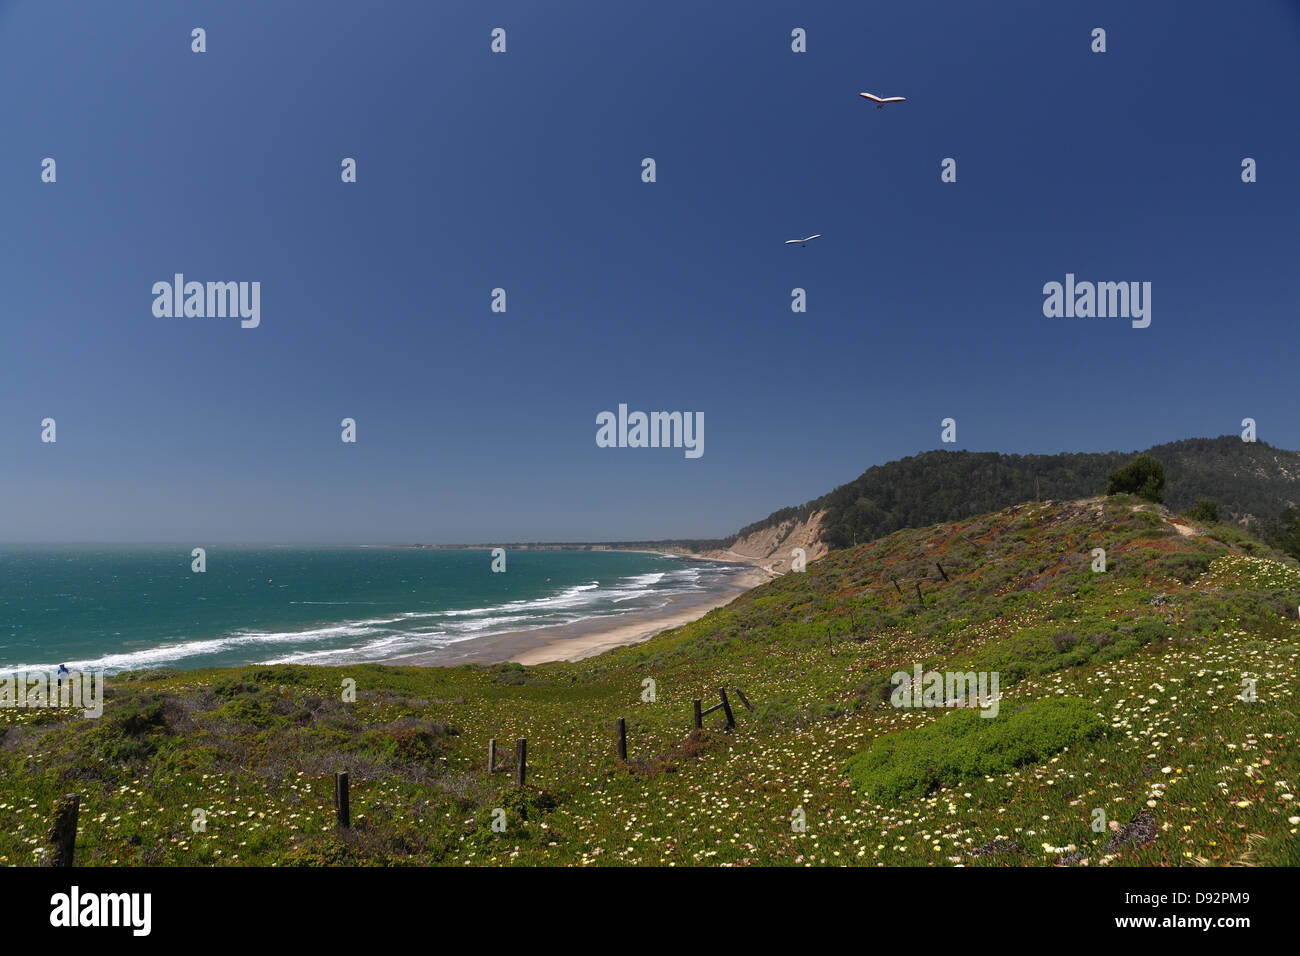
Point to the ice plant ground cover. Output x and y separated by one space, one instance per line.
1185 652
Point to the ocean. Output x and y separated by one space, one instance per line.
132 608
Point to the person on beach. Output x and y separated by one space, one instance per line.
63 669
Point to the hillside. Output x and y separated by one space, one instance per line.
1252 482
1121 692
1247 479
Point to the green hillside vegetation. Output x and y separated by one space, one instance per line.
1121 691
1243 478
965 745
1281 531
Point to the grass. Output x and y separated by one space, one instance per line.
966 745
1156 650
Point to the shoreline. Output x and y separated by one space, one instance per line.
574 642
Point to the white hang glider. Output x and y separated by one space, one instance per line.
880 101
804 241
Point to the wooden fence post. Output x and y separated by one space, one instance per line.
492 755
341 804
919 599
521 760
744 700
941 570
63 830
726 708
699 719
622 739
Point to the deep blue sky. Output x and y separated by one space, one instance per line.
522 170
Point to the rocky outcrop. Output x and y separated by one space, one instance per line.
772 548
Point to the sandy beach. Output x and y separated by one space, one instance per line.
573 642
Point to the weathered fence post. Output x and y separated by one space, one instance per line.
492 755
521 760
341 800
896 587
726 708
919 599
699 718
622 739
941 570
744 700
63 830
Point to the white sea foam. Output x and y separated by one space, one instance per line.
411 631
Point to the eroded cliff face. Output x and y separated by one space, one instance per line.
770 549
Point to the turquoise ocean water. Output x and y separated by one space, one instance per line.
127 608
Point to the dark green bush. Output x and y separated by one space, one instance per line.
408 741
1149 629
139 717
509 673
527 803
228 688
257 711
278 674
1144 476
1186 567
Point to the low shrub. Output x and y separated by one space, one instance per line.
408 741
1186 567
964 745
509 673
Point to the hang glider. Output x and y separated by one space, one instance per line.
880 101
804 241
